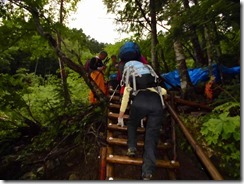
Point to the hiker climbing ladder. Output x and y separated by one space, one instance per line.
117 165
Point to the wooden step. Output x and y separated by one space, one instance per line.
117 92
114 98
112 126
123 142
113 115
113 105
118 179
116 106
117 159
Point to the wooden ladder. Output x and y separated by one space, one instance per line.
115 165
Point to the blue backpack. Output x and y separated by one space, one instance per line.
129 51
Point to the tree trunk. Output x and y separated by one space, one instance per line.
185 81
195 41
72 65
218 51
212 50
63 73
154 39
197 48
165 65
209 50
203 43
216 41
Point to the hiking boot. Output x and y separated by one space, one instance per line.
131 152
147 176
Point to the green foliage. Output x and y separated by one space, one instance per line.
79 90
189 63
12 90
221 130
28 96
221 126
27 99
230 90
113 48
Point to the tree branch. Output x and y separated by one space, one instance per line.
53 43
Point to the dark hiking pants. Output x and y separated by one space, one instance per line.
146 104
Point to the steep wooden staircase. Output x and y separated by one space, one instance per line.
115 165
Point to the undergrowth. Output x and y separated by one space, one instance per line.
28 103
218 132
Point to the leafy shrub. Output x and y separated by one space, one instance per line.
221 131
27 99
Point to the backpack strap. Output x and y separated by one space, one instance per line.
125 77
134 73
159 90
153 73
126 74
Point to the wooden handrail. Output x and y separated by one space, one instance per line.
206 161
178 100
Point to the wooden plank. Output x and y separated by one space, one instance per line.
113 105
114 98
116 127
116 106
109 166
171 172
112 126
113 115
123 142
109 170
116 159
118 179
111 91
103 152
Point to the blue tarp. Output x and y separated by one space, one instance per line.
198 75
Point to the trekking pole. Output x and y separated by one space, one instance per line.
114 92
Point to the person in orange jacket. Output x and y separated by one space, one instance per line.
209 88
97 74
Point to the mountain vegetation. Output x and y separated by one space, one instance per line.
47 124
